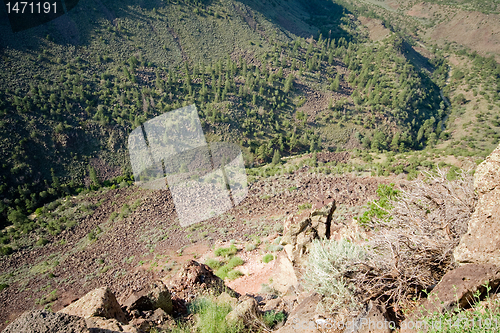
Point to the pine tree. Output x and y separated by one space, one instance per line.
395 142
336 83
288 83
261 152
276 157
93 175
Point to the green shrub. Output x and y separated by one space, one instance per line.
272 318
379 209
53 205
49 298
211 317
250 247
223 271
41 242
234 274
214 264
226 251
3 286
278 227
235 261
16 217
484 317
453 173
93 234
113 216
5 250
267 258
274 247
305 206
328 263
4 240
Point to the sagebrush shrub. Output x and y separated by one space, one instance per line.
329 264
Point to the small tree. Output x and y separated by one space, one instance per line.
16 217
336 83
93 176
276 157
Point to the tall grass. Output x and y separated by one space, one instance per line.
212 317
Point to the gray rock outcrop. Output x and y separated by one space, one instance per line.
300 230
481 243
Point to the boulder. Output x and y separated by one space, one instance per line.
225 298
99 302
195 278
481 243
141 324
456 288
246 312
99 324
275 304
41 321
159 317
304 317
372 320
128 329
156 296
284 275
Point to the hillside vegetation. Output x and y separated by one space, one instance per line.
74 88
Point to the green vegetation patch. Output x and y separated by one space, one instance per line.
267 258
234 274
214 264
212 317
235 261
226 251
380 209
328 262
272 318
482 317
227 271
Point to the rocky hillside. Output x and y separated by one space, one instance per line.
126 237
296 295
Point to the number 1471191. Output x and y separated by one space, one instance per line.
23 7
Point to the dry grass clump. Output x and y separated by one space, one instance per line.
413 249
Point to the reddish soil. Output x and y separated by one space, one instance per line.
421 10
376 29
480 32
256 273
476 30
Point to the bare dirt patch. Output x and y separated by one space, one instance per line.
256 273
479 31
421 10
376 29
